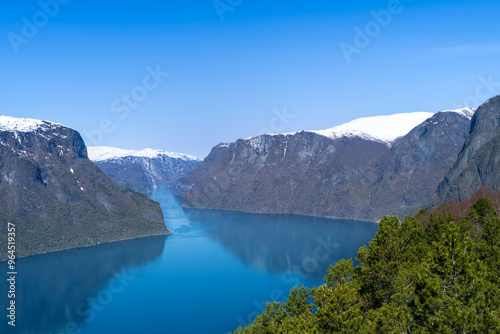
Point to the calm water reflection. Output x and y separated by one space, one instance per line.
215 273
55 290
282 243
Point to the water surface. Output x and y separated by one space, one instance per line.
215 273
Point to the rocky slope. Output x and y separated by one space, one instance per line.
408 176
58 198
360 170
142 171
479 160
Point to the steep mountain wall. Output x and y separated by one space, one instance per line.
479 160
57 198
348 176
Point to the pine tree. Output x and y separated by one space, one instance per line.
338 302
460 301
381 263
440 277
298 303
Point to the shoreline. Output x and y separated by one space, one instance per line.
281 213
167 233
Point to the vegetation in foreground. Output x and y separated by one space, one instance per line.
438 275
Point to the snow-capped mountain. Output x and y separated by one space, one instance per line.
142 170
363 169
53 193
13 124
103 153
384 129
466 112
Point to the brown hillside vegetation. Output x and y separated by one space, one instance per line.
460 209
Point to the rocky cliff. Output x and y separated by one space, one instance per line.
345 172
417 162
144 170
479 160
57 198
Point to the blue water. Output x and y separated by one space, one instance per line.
215 273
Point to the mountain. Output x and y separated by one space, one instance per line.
57 198
417 162
193 177
383 129
360 170
479 160
142 171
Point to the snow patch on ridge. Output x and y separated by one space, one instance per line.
385 129
102 153
466 112
14 124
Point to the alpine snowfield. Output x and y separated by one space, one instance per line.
103 153
8 123
385 129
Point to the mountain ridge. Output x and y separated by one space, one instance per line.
142 170
58 198
103 153
337 177
479 160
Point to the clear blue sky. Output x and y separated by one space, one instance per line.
229 78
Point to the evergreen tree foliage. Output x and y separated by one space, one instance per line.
441 276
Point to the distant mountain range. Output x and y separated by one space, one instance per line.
363 169
57 198
144 170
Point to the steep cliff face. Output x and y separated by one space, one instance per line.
142 171
58 198
343 172
479 160
195 175
304 173
417 162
